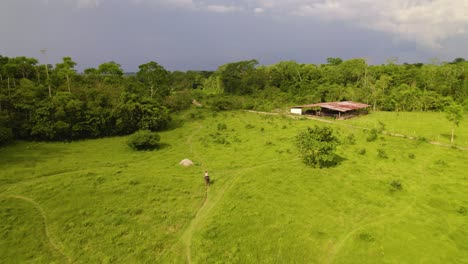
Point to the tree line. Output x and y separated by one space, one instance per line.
55 102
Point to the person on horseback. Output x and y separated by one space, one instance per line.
207 178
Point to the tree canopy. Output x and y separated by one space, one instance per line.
55 102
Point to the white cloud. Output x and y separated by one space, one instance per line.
258 10
427 22
219 8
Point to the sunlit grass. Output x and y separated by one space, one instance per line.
106 203
432 126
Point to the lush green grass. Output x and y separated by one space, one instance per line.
103 202
423 125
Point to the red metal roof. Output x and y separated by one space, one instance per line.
337 106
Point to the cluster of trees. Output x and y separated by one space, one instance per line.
390 87
55 102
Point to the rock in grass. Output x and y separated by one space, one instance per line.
186 162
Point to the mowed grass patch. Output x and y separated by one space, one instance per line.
264 206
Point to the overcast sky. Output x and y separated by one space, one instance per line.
203 34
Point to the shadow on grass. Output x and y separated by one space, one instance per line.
334 163
162 146
448 136
174 124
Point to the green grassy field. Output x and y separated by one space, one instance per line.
429 125
97 201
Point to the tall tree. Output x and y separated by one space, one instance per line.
236 76
46 66
454 114
65 70
155 76
111 71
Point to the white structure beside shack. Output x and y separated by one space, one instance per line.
296 111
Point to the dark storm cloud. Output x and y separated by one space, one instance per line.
185 34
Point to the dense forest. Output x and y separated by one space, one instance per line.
55 102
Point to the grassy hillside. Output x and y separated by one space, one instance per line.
97 201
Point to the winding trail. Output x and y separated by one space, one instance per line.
8 185
52 244
188 233
436 143
210 202
381 219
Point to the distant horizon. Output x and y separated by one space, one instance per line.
128 72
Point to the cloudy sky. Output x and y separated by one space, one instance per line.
203 34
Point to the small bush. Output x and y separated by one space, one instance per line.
373 135
396 185
362 151
317 146
422 139
222 105
144 140
221 126
249 126
381 126
382 154
351 139
179 101
462 210
411 156
197 115
6 135
366 237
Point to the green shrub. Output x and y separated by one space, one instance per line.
382 154
368 237
411 156
422 139
373 135
362 151
6 135
396 185
317 146
179 101
462 210
351 139
381 127
221 126
144 140
197 115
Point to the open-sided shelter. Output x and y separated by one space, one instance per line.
339 110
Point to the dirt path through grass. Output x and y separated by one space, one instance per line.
212 199
52 244
187 235
64 172
363 128
344 238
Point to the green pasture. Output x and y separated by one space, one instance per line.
432 126
98 201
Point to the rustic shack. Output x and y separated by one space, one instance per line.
339 110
